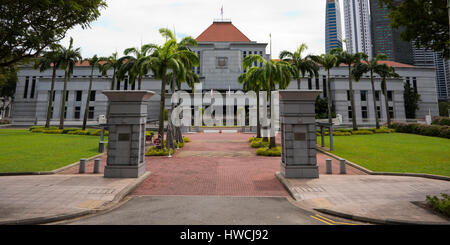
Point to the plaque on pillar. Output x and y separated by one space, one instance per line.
298 133
126 124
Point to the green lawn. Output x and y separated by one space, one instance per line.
23 151
395 152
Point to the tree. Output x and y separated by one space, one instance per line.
70 57
253 80
93 62
328 61
135 64
8 81
164 58
27 27
411 99
107 63
344 57
385 72
302 65
273 73
50 59
369 66
426 22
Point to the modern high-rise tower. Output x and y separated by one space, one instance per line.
333 29
387 40
357 26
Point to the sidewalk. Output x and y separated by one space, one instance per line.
49 198
376 199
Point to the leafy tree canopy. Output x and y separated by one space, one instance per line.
424 21
29 26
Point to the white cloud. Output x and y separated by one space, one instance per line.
125 24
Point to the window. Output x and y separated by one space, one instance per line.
67 96
65 111
77 112
92 95
363 95
125 83
118 85
79 95
364 111
33 87
391 112
389 95
317 83
53 98
379 111
415 84
25 93
309 83
350 114
348 95
324 86
377 95
91 112
51 113
133 86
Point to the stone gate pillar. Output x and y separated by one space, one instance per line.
126 142
298 133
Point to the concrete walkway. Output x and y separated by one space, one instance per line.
378 199
47 198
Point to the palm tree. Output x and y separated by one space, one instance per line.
253 80
350 60
51 58
164 58
369 66
385 72
328 61
93 62
108 63
134 62
70 57
302 65
273 73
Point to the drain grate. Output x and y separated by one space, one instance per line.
308 188
101 191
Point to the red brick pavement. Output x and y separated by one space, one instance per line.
215 164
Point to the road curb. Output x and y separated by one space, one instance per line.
61 217
375 220
365 170
53 171
285 184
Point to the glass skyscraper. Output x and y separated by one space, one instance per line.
333 29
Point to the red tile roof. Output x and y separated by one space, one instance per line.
222 32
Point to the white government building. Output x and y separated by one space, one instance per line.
221 48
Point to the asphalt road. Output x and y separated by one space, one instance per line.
204 210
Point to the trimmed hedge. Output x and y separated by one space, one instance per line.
154 151
53 131
443 121
362 132
186 139
258 143
426 130
265 151
72 131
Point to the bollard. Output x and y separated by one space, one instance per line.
342 163
82 169
97 166
328 166
101 146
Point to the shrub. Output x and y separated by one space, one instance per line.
53 131
251 139
443 121
258 143
342 134
79 132
186 139
149 133
265 151
440 205
361 132
37 130
154 151
4 121
66 130
343 130
384 131
427 130
166 114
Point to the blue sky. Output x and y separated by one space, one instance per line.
129 23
